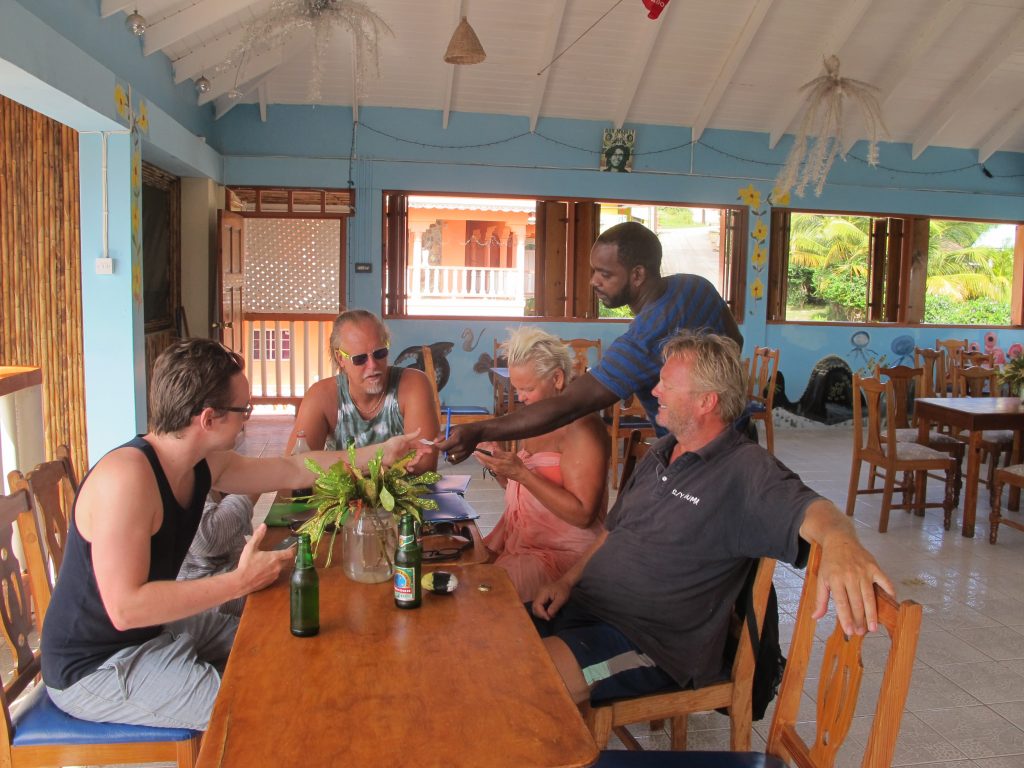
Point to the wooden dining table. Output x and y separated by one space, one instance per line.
464 680
973 415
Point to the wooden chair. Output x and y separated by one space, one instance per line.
934 379
840 677
966 359
906 382
627 415
1014 476
581 354
53 486
38 734
450 414
763 370
892 457
950 348
635 450
838 689
676 706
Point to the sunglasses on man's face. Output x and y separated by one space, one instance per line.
378 354
246 410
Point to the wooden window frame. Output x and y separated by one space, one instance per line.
566 229
898 267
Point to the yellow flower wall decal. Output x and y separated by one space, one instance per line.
780 196
121 100
760 231
750 196
759 258
143 118
757 289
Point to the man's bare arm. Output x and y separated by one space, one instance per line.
583 395
848 571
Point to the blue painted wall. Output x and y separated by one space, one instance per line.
487 154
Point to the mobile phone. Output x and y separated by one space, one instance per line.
286 542
484 451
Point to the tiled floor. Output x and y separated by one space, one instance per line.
966 704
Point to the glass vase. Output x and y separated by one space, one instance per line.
369 538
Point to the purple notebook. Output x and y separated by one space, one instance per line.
451 484
450 506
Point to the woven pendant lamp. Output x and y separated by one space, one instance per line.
464 47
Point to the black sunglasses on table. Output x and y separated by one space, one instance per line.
461 539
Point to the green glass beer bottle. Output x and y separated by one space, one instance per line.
305 592
408 564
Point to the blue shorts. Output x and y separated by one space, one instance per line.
613 666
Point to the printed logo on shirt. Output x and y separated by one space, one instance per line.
695 500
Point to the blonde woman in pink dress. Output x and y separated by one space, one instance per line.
556 487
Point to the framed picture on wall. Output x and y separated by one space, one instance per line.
617 147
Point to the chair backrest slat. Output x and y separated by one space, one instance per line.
906 382
581 361
763 371
933 383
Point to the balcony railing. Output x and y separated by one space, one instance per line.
466 283
293 354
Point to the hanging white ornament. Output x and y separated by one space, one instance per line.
809 162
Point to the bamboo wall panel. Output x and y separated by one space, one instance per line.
40 268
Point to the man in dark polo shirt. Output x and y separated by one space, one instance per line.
648 606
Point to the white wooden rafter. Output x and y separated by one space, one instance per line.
953 101
1007 127
190 20
729 67
937 23
553 30
224 103
449 81
833 43
234 79
202 59
642 51
110 7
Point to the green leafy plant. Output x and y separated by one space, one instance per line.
1012 375
343 489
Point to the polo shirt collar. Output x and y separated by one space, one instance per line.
720 444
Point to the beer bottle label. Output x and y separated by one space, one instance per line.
405 583
406 541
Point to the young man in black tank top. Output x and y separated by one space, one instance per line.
125 642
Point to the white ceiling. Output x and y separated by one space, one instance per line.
951 72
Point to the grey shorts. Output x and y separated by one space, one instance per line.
170 681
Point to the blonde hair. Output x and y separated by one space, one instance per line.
356 316
715 367
547 353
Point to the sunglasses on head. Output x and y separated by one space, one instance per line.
378 354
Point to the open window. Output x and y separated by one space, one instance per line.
843 267
477 256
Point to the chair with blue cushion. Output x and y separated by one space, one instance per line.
37 732
450 414
837 688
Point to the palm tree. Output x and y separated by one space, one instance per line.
835 250
962 270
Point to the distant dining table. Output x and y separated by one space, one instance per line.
973 415
464 680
